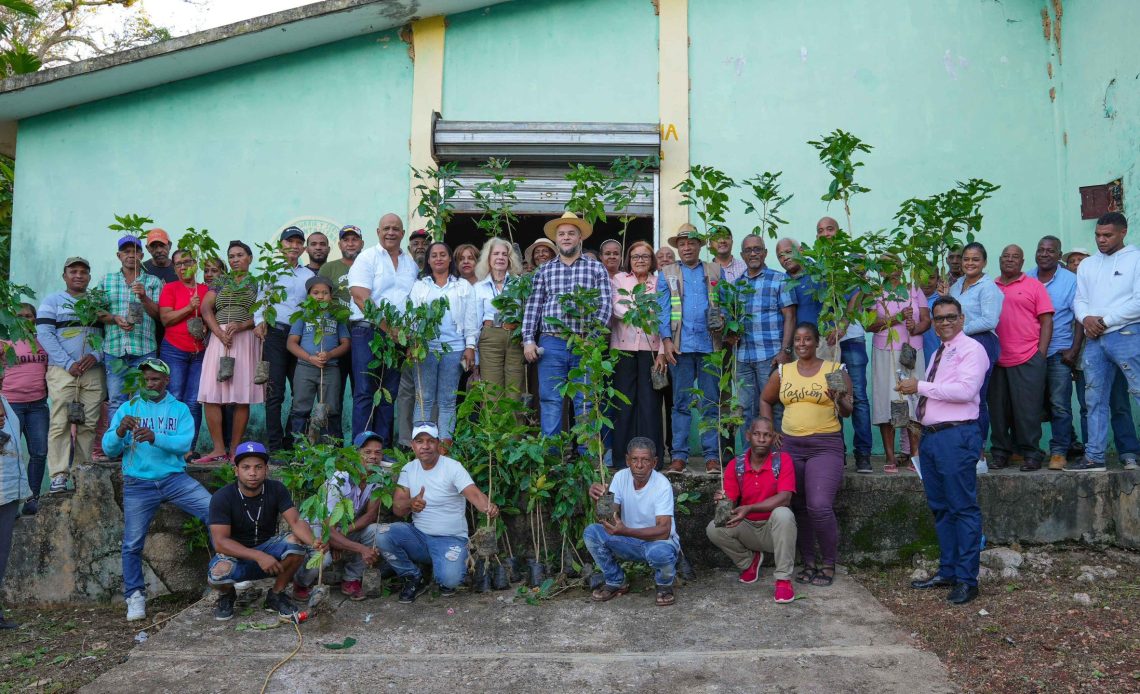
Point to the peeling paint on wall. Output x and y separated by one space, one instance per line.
406 37
1109 109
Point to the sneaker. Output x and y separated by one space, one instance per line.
31 506
1085 465
279 603
863 465
752 573
446 591
1057 462
224 607
1129 460
412 589
353 589
982 467
6 623
136 606
784 592
58 484
301 592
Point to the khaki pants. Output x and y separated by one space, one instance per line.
777 535
501 360
63 389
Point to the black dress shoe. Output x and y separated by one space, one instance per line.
936 582
962 594
1031 465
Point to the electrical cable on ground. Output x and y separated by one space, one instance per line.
300 642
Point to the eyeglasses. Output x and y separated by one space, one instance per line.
752 249
640 256
947 318
184 263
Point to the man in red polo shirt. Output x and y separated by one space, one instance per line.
761 484
1017 387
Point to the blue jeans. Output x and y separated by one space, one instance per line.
554 367
690 369
34 420
404 546
608 550
948 459
1059 382
185 375
853 354
141 498
752 377
989 341
1101 357
438 377
117 369
240 570
365 380
1120 414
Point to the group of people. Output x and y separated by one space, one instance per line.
1026 334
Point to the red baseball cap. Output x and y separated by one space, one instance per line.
157 235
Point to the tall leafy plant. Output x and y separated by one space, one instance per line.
837 151
766 203
941 222
404 336
496 198
628 181
705 191
323 317
436 187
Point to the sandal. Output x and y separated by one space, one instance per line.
608 592
806 575
665 596
890 468
822 578
206 460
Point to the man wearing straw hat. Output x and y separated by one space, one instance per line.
684 299
568 272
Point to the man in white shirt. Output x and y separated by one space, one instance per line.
437 534
275 336
641 530
379 274
1107 305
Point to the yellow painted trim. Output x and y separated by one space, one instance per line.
673 106
427 97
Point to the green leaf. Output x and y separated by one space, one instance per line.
348 642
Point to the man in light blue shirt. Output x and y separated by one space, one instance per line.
1063 347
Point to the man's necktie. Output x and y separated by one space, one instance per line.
921 409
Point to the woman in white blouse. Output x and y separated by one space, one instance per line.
500 352
438 377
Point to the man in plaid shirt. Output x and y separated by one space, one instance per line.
568 272
770 320
125 344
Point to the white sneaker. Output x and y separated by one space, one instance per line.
136 606
982 467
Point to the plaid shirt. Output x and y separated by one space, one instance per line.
556 278
764 323
735 270
139 340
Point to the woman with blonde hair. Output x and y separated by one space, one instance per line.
500 353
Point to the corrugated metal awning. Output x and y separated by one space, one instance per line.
543 190
543 143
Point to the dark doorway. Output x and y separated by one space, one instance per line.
461 229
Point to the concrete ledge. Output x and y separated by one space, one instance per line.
70 551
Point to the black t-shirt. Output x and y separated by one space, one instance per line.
252 519
166 274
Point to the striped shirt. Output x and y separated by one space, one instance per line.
140 339
234 304
59 333
556 278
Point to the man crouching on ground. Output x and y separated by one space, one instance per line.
358 542
761 484
243 526
642 529
437 534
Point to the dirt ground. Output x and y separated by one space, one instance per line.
1033 636
61 648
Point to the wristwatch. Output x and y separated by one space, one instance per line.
788 351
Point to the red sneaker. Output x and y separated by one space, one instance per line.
353 589
752 573
300 592
784 592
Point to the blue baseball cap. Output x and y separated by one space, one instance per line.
292 233
350 229
250 448
366 436
129 240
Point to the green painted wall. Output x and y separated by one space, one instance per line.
240 152
551 60
943 90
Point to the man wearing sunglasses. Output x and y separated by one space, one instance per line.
948 411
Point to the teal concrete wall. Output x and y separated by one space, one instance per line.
1100 102
551 60
943 90
240 152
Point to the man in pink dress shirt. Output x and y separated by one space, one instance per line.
948 411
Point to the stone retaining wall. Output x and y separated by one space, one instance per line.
70 550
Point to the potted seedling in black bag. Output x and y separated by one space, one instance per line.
201 248
132 225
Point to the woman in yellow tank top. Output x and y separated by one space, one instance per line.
813 437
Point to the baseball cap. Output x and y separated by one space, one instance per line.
350 229
129 239
317 279
159 235
155 364
418 233
366 436
425 428
292 232
76 260
251 448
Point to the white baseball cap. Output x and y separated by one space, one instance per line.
425 428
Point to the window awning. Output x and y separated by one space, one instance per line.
543 144
542 190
